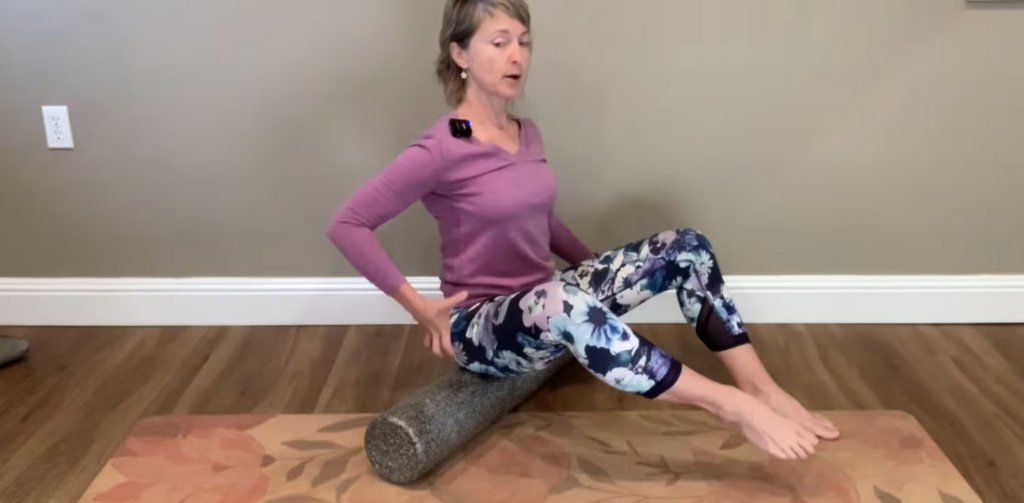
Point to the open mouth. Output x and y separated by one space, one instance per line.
514 77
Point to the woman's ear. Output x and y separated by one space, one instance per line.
459 55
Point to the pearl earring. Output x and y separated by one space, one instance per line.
464 75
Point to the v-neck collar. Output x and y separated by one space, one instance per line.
521 143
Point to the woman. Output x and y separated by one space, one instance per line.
506 309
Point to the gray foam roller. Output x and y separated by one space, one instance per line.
406 442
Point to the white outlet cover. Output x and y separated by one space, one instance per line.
58 127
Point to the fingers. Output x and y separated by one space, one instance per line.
439 343
454 300
435 344
446 343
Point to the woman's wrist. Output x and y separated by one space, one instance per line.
408 297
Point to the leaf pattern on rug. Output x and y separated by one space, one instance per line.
296 471
594 471
346 425
734 441
297 498
599 461
632 448
681 433
657 420
566 485
661 465
614 452
311 445
694 423
344 487
885 497
599 441
334 468
949 498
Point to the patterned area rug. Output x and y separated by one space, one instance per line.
608 457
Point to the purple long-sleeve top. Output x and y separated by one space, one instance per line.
495 212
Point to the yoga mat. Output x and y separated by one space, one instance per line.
578 457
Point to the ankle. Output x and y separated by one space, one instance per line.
733 405
747 370
694 389
757 386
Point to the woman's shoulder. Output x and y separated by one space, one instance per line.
437 133
430 144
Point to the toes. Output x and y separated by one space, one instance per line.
797 447
781 450
809 447
820 427
826 429
808 437
774 450
794 452
802 444
826 432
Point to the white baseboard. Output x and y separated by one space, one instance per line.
354 301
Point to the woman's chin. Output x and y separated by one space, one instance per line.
509 93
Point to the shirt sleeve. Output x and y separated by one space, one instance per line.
565 244
398 186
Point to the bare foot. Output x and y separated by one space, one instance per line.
778 400
779 436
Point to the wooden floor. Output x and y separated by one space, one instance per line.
63 411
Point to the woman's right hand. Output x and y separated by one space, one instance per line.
433 315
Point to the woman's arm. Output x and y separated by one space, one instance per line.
410 176
413 174
565 244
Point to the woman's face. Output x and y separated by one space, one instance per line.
498 57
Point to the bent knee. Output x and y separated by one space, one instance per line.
694 238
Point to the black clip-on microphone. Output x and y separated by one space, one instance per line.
460 128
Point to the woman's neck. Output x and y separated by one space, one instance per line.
490 111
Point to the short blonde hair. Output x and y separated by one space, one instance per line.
461 21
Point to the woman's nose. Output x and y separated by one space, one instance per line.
516 54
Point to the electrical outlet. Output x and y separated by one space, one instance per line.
58 127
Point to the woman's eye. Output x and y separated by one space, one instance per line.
499 44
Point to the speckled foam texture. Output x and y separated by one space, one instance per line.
12 349
406 442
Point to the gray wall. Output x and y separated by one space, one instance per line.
216 138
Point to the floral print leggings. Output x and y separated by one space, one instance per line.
579 309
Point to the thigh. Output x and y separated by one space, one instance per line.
626 277
507 335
